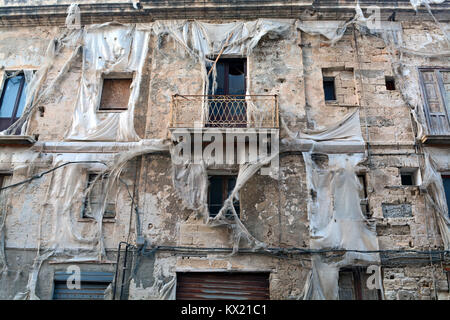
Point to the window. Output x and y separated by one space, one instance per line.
353 285
12 101
226 95
92 286
329 89
115 94
95 197
446 181
409 176
220 187
390 83
363 195
435 84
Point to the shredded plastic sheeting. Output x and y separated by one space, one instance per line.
4 197
108 48
336 222
417 3
436 197
35 93
342 137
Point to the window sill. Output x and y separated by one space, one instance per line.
16 140
105 220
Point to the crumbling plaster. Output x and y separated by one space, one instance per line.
273 211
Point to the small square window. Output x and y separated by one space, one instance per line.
95 197
329 89
220 187
407 179
390 83
410 176
115 94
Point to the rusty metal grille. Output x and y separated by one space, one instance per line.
243 111
222 286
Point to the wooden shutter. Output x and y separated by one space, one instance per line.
435 88
92 287
222 286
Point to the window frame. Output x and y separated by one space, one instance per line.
225 181
7 122
227 73
114 76
333 80
357 273
426 107
83 216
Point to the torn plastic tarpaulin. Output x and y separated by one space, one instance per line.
336 221
64 196
67 193
108 48
239 231
333 30
4 204
35 94
343 137
204 40
435 195
191 184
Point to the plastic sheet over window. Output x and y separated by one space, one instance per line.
108 48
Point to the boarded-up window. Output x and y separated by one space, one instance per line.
220 187
94 200
222 286
115 94
92 286
353 285
436 92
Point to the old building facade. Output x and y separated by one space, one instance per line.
224 149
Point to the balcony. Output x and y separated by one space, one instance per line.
224 111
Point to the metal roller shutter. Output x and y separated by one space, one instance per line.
222 286
92 286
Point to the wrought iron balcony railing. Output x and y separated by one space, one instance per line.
224 111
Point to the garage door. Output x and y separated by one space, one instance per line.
222 285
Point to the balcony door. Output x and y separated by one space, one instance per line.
226 95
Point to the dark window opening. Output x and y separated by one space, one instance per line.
446 181
353 285
407 178
92 286
220 187
390 83
115 94
12 101
363 195
226 95
95 197
329 89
